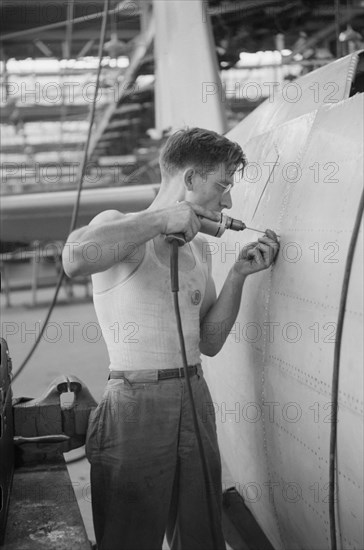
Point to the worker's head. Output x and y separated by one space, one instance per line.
201 149
205 161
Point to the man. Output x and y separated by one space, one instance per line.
146 471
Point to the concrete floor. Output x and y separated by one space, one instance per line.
72 344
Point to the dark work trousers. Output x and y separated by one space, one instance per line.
146 473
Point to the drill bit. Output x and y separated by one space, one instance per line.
252 229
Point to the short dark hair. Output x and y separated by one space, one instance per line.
204 149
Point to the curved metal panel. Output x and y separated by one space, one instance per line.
271 383
325 86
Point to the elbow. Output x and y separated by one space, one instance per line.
72 260
72 272
210 350
71 269
211 340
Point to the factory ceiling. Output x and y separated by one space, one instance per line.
39 125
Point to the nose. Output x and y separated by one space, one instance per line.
226 201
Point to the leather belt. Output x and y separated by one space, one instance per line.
162 374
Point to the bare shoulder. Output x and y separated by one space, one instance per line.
132 255
107 216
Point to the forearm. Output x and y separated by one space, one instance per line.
95 248
221 317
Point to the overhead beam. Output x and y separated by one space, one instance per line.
21 215
40 147
43 48
59 24
230 7
80 35
86 48
32 113
65 72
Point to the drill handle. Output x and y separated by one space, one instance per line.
179 237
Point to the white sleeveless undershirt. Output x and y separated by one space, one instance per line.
137 317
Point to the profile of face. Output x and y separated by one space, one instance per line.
210 189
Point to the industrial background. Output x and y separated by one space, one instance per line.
50 70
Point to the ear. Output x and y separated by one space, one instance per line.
188 178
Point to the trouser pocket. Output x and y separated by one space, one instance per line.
94 431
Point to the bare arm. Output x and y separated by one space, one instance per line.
109 237
104 242
221 313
